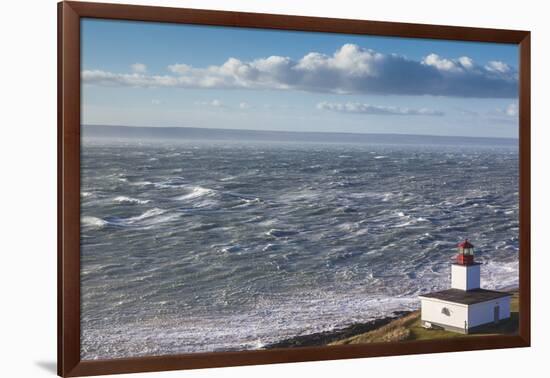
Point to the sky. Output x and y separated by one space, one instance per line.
154 74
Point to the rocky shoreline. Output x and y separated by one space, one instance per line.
327 337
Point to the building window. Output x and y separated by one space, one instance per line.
446 311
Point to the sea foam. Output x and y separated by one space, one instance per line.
94 222
130 200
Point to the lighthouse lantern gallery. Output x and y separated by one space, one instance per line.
465 307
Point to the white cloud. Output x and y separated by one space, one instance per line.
351 69
138 68
512 110
496 66
443 64
214 103
356 107
156 102
466 62
179 68
244 105
506 113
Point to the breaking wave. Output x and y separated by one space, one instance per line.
92 222
130 200
197 192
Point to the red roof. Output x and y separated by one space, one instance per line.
465 244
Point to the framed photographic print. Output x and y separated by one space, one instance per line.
239 188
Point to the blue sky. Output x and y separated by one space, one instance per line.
150 74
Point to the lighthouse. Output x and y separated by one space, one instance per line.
465 307
465 272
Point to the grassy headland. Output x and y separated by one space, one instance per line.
401 326
409 327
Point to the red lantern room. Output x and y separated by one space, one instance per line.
465 254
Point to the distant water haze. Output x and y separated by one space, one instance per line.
196 240
241 135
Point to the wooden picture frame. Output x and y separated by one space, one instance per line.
69 82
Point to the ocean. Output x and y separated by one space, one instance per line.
197 246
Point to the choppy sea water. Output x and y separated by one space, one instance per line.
202 246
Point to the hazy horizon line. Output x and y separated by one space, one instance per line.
300 132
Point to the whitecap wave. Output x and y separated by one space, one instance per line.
93 222
130 200
500 275
231 248
246 202
148 219
146 215
197 192
141 183
387 197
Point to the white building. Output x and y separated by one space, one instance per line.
465 306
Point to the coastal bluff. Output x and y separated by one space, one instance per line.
409 327
401 326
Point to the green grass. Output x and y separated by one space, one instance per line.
409 327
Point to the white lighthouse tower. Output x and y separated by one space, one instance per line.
465 273
465 306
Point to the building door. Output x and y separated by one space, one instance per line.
496 314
